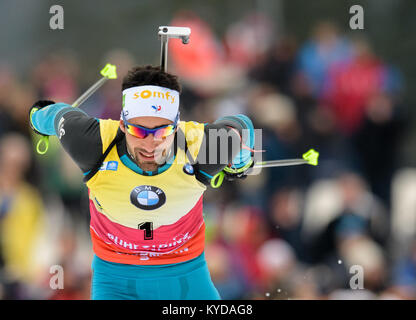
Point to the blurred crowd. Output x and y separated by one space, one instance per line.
297 232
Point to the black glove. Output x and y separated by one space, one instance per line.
231 175
37 106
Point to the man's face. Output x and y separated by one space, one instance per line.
148 152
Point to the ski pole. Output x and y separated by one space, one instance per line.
310 157
108 72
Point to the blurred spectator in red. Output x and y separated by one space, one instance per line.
248 40
202 56
350 85
201 64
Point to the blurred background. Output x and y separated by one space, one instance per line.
302 75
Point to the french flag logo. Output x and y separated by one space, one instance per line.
157 108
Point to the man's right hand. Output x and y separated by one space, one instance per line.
37 106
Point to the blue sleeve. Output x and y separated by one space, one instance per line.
78 133
235 154
245 127
46 119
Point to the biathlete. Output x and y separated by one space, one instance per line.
146 174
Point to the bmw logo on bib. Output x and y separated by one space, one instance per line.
188 169
147 197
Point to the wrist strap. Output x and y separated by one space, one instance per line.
239 170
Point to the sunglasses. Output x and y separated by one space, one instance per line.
142 132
